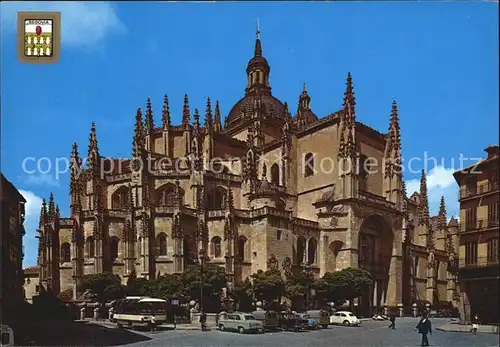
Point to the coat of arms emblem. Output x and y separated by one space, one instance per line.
39 36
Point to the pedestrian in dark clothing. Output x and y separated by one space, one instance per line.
393 322
424 327
203 321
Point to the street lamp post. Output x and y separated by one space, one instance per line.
306 272
200 259
202 263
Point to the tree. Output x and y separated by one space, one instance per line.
168 286
347 284
214 280
104 286
299 287
268 286
137 286
243 295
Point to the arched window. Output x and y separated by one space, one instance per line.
301 248
90 247
275 174
217 198
166 195
308 165
161 243
120 198
242 247
311 251
113 248
216 246
65 253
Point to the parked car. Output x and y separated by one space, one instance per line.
344 318
322 317
241 322
269 319
290 322
310 323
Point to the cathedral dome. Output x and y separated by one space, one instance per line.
271 107
258 99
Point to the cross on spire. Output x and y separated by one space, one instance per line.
257 33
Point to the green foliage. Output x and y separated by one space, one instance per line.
299 284
268 286
343 285
104 286
243 295
214 279
168 286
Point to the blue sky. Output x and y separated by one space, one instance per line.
438 60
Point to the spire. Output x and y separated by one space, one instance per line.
258 70
349 102
441 223
394 131
75 169
93 155
405 198
258 45
166 113
43 214
196 124
217 123
209 121
149 117
52 210
186 116
138 142
423 208
304 100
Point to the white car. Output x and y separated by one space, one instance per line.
241 322
344 318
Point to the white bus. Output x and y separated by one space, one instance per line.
138 310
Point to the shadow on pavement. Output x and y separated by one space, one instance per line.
74 334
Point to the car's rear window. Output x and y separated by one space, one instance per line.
350 315
249 317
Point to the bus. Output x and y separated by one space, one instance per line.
137 311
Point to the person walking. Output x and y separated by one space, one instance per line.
475 324
153 323
203 321
424 327
392 319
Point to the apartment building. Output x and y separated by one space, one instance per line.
479 234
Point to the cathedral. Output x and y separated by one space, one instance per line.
262 189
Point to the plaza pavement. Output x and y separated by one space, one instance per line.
370 333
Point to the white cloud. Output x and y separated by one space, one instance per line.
31 221
83 24
40 180
440 182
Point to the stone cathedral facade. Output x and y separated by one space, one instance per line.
265 188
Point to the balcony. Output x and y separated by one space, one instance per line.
483 188
479 224
479 262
